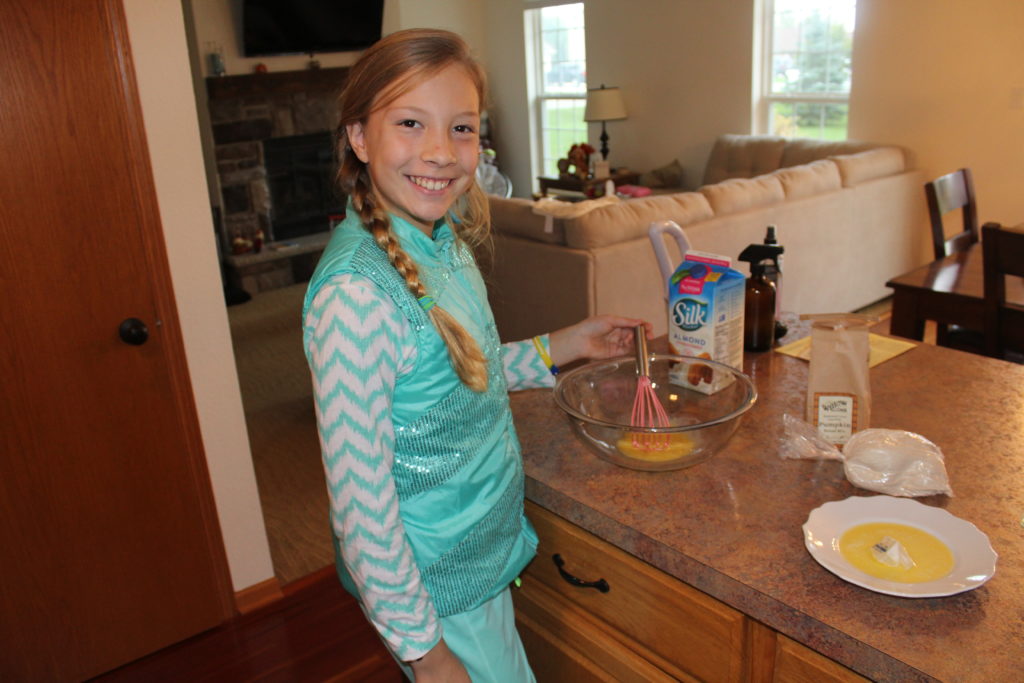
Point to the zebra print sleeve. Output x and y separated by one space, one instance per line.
359 344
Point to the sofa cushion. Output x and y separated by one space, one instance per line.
804 150
742 194
809 179
515 216
669 175
874 163
743 156
630 218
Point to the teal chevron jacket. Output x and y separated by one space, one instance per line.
456 468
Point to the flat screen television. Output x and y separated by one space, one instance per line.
287 27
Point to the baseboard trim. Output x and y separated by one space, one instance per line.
258 595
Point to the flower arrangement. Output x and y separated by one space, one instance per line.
578 162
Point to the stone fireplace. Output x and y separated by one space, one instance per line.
273 145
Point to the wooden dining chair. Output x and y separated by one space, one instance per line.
1003 252
947 194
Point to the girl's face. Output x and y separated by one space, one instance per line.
421 149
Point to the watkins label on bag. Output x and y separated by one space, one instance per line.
705 318
835 416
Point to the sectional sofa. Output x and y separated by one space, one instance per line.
850 216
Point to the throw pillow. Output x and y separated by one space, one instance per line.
669 175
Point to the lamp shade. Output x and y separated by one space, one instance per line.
604 104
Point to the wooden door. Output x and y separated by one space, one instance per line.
109 543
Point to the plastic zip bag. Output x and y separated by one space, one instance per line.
890 461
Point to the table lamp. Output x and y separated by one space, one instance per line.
604 104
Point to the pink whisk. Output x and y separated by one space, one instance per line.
647 409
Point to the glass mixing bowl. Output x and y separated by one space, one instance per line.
598 398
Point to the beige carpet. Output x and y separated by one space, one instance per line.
277 396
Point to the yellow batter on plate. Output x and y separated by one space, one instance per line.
932 559
674 446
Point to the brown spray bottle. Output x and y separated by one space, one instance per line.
759 300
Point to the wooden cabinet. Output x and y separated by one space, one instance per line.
647 625
795 663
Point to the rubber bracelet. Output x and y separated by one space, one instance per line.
543 352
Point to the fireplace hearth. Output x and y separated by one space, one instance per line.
300 172
274 153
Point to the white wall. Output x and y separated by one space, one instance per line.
684 70
946 80
683 66
505 59
157 34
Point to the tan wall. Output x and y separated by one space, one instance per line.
946 80
685 70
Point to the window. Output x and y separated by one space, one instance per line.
807 67
557 57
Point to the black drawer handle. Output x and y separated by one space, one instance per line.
600 584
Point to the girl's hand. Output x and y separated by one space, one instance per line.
602 336
440 665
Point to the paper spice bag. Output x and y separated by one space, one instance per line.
838 390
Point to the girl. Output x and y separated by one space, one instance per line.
410 380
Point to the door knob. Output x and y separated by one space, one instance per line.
133 331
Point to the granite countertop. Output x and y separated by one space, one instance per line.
731 526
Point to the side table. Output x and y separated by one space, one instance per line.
586 186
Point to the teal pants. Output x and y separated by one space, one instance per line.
486 641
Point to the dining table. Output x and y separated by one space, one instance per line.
947 291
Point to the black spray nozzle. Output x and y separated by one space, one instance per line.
756 253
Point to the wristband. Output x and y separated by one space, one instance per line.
543 352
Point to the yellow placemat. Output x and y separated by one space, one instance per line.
882 348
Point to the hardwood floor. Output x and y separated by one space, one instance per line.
315 633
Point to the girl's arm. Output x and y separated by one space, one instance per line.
528 363
359 343
597 337
524 365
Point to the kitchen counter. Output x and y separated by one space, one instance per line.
731 526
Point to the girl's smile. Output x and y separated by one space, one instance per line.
421 149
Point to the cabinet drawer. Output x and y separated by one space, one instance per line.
564 643
795 663
671 624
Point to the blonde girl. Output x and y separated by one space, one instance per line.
423 467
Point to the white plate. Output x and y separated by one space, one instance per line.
974 560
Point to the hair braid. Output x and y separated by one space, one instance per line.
468 360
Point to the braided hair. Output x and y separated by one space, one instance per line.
387 70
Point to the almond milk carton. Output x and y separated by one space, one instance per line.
705 319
